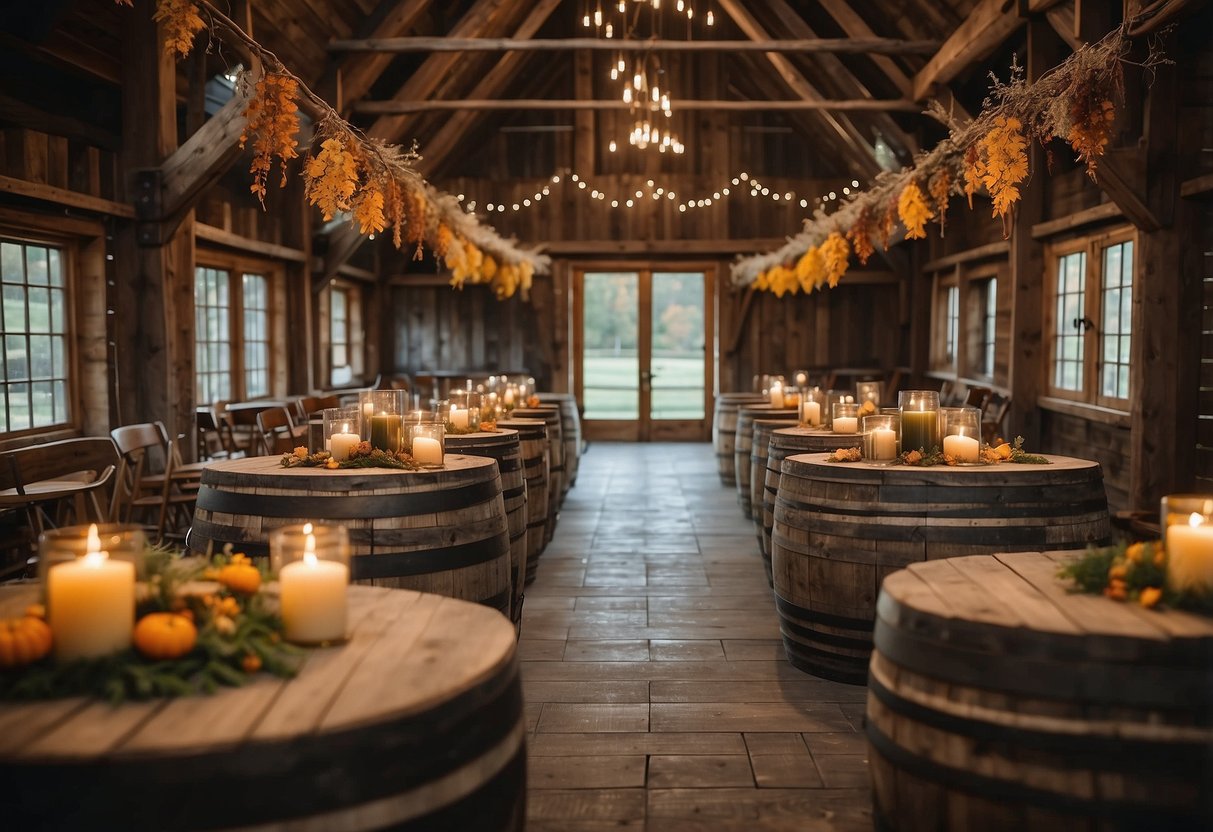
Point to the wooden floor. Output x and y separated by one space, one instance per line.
658 696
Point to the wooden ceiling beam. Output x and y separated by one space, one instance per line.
855 26
870 44
435 69
841 75
490 85
860 151
472 104
989 24
356 73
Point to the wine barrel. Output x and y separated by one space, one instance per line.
744 437
759 444
724 431
570 426
550 414
533 439
415 724
785 442
505 447
997 699
442 530
840 528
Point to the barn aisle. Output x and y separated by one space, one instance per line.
657 693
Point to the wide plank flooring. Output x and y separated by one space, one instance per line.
658 696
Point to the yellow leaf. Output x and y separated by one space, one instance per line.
181 21
1005 164
810 270
914 212
834 253
332 177
368 209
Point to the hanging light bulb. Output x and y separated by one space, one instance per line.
612 146
681 5
690 12
621 65
585 21
711 21
610 30
614 74
623 6
598 18
627 94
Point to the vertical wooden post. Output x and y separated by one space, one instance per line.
1029 356
155 342
1164 370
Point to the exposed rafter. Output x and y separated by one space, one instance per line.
356 73
989 24
471 104
850 136
860 45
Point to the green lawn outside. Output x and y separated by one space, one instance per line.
611 390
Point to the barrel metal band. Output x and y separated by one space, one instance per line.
1126 815
787 607
350 506
428 561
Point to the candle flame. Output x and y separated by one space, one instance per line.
309 545
94 540
307 528
1195 520
345 427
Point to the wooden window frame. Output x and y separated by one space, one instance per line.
237 266
940 362
68 247
1093 246
355 332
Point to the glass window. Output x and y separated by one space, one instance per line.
1116 322
36 392
256 336
212 337
989 323
1068 346
339 334
952 332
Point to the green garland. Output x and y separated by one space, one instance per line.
238 635
922 458
362 456
1131 572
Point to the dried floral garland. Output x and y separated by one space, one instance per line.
346 172
1075 101
1132 572
361 455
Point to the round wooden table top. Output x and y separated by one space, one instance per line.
816 466
412 661
249 469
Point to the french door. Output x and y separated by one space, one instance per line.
643 351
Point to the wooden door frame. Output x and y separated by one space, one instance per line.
644 428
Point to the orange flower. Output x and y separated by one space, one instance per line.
1150 596
251 663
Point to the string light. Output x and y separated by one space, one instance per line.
655 191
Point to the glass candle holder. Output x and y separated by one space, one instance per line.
775 392
313 567
511 397
812 403
833 397
845 417
462 414
869 391
342 430
386 409
920 428
1187 526
427 440
962 433
90 592
880 438
791 397
489 411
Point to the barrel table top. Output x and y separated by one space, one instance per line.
817 465
267 469
345 721
998 698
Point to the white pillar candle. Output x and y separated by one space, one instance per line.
961 448
884 443
845 424
459 417
340 444
776 394
812 414
368 410
313 597
1190 555
427 451
91 603
509 396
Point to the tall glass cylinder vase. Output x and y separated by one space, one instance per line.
920 428
387 409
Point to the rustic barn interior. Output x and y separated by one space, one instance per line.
625 211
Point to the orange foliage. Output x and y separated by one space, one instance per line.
1005 164
368 208
834 252
273 119
914 212
1092 121
181 22
972 172
860 236
939 187
332 177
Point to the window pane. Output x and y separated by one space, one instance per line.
16 358
58 312
40 356
18 407
12 268
39 310
35 266
611 329
56 266
14 308
43 404
213 335
1116 318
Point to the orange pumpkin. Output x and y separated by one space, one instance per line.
23 640
165 635
240 577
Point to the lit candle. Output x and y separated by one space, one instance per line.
459 417
427 451
884 443
313 596
92 603
776 394
845 424
368 410
340 444
385 432
1190 553
509 396
812 414
961 448
801 379
791 400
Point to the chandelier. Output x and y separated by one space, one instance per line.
646 87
